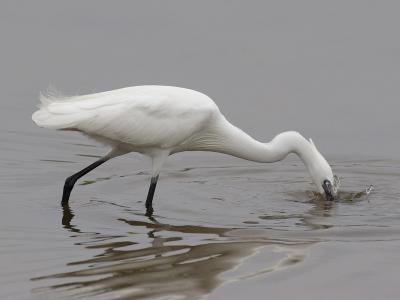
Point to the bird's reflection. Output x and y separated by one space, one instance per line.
152 260
67 216
320 208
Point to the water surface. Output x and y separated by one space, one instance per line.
221 227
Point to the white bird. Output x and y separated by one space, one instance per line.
159 121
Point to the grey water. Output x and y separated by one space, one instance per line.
223 228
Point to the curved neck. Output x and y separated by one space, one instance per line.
234 141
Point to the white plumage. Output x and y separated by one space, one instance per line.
161 120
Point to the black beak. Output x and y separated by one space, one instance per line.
327 186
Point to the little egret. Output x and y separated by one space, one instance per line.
159 121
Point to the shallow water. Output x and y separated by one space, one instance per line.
223 227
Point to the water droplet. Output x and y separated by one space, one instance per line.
369 189
336 183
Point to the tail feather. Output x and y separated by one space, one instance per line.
55 112
51 95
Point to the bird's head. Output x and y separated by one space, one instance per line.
321 173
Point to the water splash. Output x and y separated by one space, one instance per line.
336 184
369 189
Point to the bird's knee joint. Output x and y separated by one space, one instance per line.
70 181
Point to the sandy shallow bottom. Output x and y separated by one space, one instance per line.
223 228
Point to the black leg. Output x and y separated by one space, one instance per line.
150 195
70 181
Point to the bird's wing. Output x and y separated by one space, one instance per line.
144 121
143 116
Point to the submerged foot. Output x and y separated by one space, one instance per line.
149 211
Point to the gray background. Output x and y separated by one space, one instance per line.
329 69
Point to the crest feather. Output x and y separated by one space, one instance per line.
313 145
